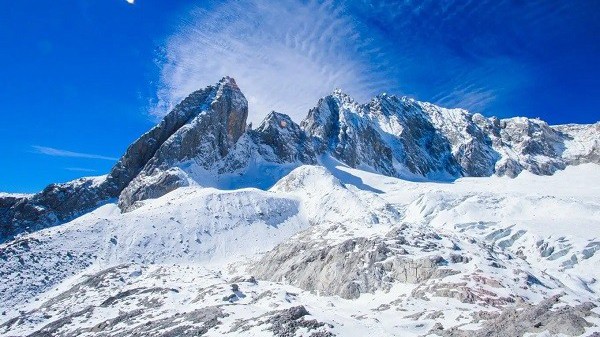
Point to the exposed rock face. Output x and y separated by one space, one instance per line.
582 144
337 126
400 136
144 149
336 260
203 127
286 140
419 147
216 118
529 139
7 204
206 135
567 320
287 322
57 203
349 268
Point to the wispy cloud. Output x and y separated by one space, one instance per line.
79 169
50 151
283 54
286 54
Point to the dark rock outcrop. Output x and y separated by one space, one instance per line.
336 128
286 140
56 204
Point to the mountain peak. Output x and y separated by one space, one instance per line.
206 135
276 118
343 97
213 124
227 80
339 92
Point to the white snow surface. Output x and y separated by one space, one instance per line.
15 195
194 241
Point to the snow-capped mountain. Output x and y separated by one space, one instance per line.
205 141
394 217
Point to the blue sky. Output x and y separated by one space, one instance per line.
81 79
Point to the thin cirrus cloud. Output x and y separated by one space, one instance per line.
79 169
283 54
287 54
50 151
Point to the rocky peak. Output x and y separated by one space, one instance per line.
343 98
286 141
232 107
202 128
217 121
276 120
206 134
322 121
339 126
331 112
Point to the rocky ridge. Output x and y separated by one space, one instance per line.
205 141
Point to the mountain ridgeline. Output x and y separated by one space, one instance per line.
206 141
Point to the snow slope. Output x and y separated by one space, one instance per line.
189 225
479 247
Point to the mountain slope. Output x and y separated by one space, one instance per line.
205 141
330 250
59 203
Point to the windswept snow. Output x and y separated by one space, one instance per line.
492 244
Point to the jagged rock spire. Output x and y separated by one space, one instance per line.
210 122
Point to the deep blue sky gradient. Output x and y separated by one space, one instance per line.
81 75
75 75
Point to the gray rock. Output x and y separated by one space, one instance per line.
286 140
348 269
194 323
286 322
566 319
336 128
56 204
429 141
216 118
